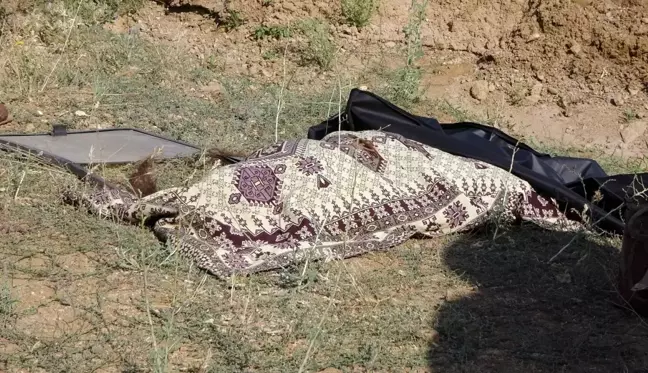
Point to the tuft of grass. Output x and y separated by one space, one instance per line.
7 301
320 48
274 32
412 31
233 19
358 12
403 86
629 115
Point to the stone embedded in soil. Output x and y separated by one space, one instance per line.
617 100
576 48
552 90
633 90
479 90
533 37
633 131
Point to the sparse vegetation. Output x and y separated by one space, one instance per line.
358 12
7 300
233 19
404 86
319 48
275 32
629 115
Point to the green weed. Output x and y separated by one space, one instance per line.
233 19
319 49
275 32
358 12
629 115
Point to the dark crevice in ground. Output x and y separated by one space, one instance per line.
191 8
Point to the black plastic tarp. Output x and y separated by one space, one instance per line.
579 185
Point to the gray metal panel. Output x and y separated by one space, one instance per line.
117 146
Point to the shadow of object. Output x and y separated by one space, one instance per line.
527 315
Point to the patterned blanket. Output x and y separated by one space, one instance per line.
348 194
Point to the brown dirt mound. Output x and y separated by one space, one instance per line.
594 46
599 43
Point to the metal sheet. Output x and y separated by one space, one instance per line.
103 146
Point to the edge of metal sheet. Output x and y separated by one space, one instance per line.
7 144
79 171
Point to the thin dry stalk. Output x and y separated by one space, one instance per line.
281 92
20 183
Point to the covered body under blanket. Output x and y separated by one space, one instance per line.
348 194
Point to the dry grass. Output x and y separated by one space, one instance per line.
87 295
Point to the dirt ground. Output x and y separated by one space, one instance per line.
85 295
570 72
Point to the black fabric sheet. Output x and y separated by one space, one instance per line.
573 182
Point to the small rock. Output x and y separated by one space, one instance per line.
81 113
617 100
576 48
363 88
390 44
479 90
39 113
30 127
540 77
491 87
535 36
552 90
536 90
562 102
641 115
289 6
633 90
567 113
644 20
633 131
266 73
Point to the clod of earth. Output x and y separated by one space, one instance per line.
617 100
479 90
633 131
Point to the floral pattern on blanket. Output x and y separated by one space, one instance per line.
348 194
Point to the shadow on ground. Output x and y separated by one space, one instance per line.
527 315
